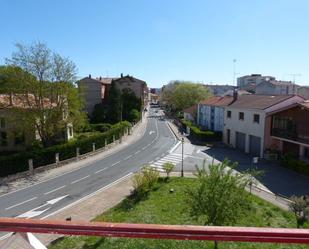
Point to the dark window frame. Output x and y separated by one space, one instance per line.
229 114
256 118
241 116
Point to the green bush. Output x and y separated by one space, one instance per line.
144 181
197 133
102 127
43 156
289 161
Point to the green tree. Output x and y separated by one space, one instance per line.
129 103
99 114
186 94
44 82
220 198
135 115
168 168
115 105
300 207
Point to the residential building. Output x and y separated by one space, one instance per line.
249 82
288 130
276 87
219 90
190 113
245 120
303 91
139 87
17 131
211 112
96 90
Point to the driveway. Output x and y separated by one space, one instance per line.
276 178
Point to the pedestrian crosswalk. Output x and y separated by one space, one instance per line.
174 158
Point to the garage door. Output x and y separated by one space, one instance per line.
255 145
241 141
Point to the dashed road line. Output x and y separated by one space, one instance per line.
54 190
100 170
80 179
18 204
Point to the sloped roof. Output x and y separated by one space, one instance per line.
256 101
106 80
22 101
305 104
217 101
192 110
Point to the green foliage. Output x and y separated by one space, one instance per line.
144 181
293 163
43 156
254 176
44 82
99 114
115 106
102 127
220 198
202 135
168 168
131 105
187 94
135 115
300 207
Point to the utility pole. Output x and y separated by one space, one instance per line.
182 144
294 75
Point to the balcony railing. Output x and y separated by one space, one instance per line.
290 135
151 231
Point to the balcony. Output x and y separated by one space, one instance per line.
290 135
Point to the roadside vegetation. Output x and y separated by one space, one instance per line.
213 198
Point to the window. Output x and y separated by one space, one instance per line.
229 114
256 118
19 139
241 116
3 138
2 122
70 131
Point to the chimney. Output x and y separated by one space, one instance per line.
121 75
100 78
235 94
89 76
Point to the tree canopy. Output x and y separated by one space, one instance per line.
43 81
182 94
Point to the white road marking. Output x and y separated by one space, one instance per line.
151 132
115 163
18 204
126 158
80 179
100 170
49 192
174 148
86 197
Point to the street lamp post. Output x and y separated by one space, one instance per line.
182 144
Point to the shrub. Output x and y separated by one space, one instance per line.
202 135
293 163
102 127
168 168
144 181
43 156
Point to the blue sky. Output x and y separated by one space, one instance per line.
163 40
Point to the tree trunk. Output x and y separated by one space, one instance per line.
216 245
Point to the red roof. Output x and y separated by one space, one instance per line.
192 110
217 101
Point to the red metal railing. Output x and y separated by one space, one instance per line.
178 232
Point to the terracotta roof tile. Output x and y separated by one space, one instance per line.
192 110
217 101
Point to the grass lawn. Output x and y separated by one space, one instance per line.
163 207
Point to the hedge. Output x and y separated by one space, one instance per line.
197 133
289 161
13 164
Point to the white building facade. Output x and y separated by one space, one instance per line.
245 123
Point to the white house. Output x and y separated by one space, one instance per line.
211 112
190 113
245 120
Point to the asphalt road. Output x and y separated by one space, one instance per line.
47 197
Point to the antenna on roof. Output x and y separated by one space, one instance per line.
106 73
294 75
234 71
